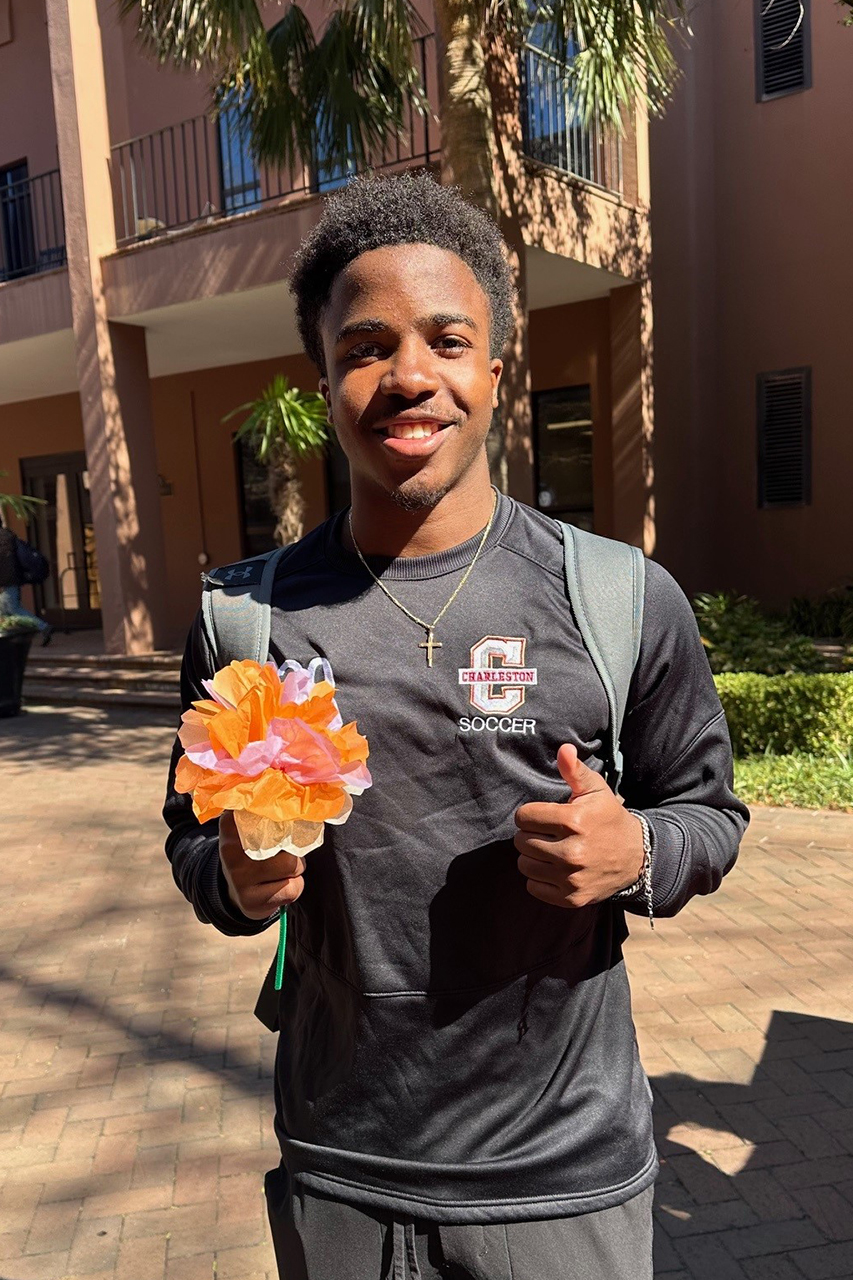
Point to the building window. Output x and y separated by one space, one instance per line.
782 47
784 438
17 241
553 130
330 176
563 427
241 186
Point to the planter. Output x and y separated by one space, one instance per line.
14 648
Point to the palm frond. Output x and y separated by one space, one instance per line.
268 83
363 79
283 418
615 52
334 101
21 505
192 33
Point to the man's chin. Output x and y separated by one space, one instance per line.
418 495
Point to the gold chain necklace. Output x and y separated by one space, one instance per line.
430 644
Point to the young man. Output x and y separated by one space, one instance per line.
458 1090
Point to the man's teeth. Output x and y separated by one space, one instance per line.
413 431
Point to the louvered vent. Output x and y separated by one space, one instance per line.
782 40
784 443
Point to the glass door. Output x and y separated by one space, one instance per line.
62 530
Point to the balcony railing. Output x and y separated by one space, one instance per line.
553 131
201 171
32 228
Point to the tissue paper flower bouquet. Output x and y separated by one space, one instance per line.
270 745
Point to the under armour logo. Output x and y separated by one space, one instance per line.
235 572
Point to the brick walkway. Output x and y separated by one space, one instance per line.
135 1109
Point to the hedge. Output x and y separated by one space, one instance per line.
790 713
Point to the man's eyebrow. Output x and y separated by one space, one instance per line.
361 326
451 317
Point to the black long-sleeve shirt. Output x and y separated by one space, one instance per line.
452 1048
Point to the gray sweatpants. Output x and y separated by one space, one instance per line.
319 1238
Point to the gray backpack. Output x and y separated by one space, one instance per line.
604 584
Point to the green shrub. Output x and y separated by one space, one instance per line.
738 637
831 615
783 714
10 623
806 781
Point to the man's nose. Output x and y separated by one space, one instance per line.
410 372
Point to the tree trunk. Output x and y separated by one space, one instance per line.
479 133
467 125
288 505
504 81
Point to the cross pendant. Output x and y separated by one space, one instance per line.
430 644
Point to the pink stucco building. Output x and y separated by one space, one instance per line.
143 296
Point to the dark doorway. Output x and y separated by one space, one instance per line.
63 531
563 454
257 518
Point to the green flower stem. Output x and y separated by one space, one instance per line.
282 948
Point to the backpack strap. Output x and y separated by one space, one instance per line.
605 584
235 602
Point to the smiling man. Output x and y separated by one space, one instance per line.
458 1090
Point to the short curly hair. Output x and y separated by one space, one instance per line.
409 208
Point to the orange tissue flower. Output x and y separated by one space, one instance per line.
270 745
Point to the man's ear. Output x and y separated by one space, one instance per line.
496 368
327 396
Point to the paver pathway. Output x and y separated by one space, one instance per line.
135 1113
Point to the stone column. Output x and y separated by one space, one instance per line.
631 364
112 367
633 515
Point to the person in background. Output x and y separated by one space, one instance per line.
20 563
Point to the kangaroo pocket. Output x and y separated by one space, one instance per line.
456 1077
536 1083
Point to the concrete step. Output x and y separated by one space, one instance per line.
67 692
96 676
165 661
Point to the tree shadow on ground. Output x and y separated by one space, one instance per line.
74 737
787 1210
154 1044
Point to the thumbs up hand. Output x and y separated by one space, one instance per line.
583 850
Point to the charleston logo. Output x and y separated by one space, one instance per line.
497 682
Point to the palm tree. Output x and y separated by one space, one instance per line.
344 91
284 426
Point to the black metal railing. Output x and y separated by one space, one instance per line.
32 228
554 132
202 170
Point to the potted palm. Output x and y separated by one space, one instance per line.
16 634
284 426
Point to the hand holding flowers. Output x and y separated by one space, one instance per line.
269 755
258 888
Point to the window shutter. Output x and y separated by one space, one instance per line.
784 438
782 45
